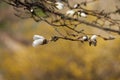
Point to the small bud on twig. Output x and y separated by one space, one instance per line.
31 10
70 12
76 6
83 38
93 40
82 14
59 5
38 40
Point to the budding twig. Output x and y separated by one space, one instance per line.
50 10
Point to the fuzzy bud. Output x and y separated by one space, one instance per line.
59 5
38 40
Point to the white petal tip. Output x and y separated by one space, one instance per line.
35 37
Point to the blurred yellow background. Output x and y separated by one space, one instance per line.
62 60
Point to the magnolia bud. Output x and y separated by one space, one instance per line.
85 38
76 6
93 40
31 10
38 40
82 14
59 5
70 12
93 37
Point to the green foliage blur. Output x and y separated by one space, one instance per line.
62 60
39 12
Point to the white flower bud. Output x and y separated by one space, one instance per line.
38 40
59 5
93 37
70 12
35 37
84 38
93 40
76 6
82 14
31 10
